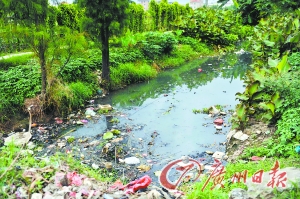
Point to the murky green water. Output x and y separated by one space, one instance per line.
165 106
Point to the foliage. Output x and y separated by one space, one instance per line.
16 84
253 11
136 18
129 73
195 44
120 56
294 60
80 69
215 27
157 44
25 12
264 92
65 97
69 15
165 16
9 43
277 146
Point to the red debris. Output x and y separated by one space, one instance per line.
116 186
138 184
256 158
218 122
199 70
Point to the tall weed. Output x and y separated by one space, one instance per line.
129 73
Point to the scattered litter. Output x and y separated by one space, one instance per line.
240 136
132 160
138 184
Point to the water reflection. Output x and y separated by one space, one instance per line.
229 66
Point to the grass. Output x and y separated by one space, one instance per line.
129 73
16 60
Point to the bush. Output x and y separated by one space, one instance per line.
157 44
294 60
121 56
17 84
80 70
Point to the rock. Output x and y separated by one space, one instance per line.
18 139
240 136
218 155
238 193
258 132
132 160
230 134
223 113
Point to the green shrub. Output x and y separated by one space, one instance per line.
156 44
120 56
79 70
17 84
195 44
294 60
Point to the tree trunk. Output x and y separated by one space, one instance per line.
44 74
105 56
42 46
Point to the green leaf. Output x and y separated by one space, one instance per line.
253 88
275 97
241 111
241 96
269 43
259 95
271 107
108 135
283 65
273 62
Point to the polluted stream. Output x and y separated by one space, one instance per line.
159 120
160 114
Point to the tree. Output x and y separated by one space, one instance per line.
102 17
25 12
